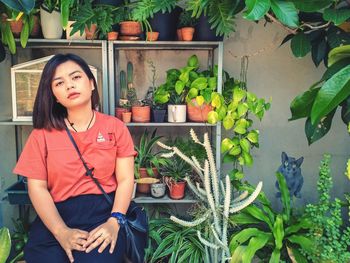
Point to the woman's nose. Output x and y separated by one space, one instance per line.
70 85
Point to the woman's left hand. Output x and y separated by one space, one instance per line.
103 235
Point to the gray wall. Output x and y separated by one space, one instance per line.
273 72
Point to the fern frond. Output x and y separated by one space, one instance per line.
164 5
221 16
197 7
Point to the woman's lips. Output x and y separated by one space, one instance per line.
73 95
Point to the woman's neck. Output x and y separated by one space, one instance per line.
81 119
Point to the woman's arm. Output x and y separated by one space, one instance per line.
69 239
107 233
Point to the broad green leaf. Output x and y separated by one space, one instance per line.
64 8
212 81
304 223
319 51
20 5
213 117
278 231
206 93
258 214
255 243
243 218
311 5
251 96
216 101
233 106
193 61
242 109
245 145
192 93
317 131
248 159
221 112
300 45
236 150
179 87
275 256
296 255
200 83
305 242
253 136
256 9
184 76
238 94
237 254
240 129
285 195
333 92
334 68
200 100
286 12
242 236
5 244
337 16
228 122
226 144
302 104
337 54
24 34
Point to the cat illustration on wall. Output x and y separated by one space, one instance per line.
290 168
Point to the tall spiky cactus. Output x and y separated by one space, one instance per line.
131 95
215 196
123 86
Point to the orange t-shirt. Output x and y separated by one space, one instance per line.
51 156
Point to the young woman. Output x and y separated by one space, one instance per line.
74 220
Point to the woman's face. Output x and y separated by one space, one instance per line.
71 86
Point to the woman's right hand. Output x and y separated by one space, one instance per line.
72 239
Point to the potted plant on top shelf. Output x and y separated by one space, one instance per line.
50 17
130 28
147 162
186 26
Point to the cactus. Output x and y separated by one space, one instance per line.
131 91
130 71
215 197
123 87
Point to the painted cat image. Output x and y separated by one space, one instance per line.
290 168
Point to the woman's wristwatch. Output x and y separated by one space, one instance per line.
121 218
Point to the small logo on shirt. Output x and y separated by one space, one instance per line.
100 138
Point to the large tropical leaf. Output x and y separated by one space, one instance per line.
143 10
285 12
331 94
20 5
304 223
302 104
300 45
275 256
258 214
335 68
5 244
256 9
255 243
221 16
236 257
285 195
278 231
337 54
243 218
304 242
317 131
319 51
295 255
242 236
311 5
337 16
197 7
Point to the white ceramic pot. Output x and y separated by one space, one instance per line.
176 113
158 190
76 35
51 24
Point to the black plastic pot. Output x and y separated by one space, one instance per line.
158 115
166 24
203 32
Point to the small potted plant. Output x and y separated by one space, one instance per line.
158 189
130 28
186 26
50 18
174 171
147 162
126 115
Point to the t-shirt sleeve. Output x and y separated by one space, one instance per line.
125 144
32 161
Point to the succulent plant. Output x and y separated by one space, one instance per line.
123 85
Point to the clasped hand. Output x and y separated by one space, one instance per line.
103 235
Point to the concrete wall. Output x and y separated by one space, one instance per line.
273 72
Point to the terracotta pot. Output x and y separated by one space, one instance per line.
36 27
119 111
179 34
91 32
126 116
146 188
187 33
141 113
198 113
152 36
177 190
16 27
112 35
130 28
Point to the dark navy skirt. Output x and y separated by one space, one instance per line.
83 212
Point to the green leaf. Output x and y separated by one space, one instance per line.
317 131
242 109
179 87
243 218
192 93
226 144
334 68
64 8
337 37
253 136
236 150
304 223
302 104
20 5
285 195
221 112
300 45
200 83
278 231
237 254
216 101
298 257
337 16
242 236
245 145
228 122
333 92
221 17
25 34
255 243
258 214
240 129
275 256
256 9
200 100
338 53
286 13
319 51
238 94
212 81
193 61
5 244
306 243
248 159
213 117
311 5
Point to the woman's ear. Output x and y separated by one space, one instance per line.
92 84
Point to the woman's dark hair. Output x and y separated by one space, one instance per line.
48 113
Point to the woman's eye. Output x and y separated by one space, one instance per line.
59 84
76 77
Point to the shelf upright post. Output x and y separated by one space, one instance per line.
105 84
218 125
111 76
